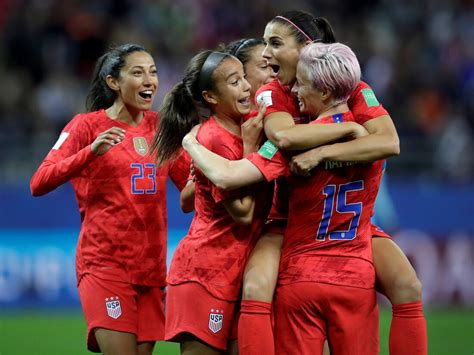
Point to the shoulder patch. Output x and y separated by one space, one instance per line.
265 97
370 98
62 138
268 149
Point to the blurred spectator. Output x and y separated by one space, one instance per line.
418 56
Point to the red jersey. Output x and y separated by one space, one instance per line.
328 237
215 250
278 98
121 197
364 105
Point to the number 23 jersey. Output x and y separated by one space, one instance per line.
121 197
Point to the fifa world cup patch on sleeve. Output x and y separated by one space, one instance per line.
268 150
62 138
370 98
265 97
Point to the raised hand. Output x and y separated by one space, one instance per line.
303 163
107 140
252 131
190 137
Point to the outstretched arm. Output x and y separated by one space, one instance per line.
225 174
65 161
281 130
381 143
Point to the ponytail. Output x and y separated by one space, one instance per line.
99 95
179 111
178 114
326 33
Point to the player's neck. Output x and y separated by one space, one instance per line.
334 108
228 123
119 112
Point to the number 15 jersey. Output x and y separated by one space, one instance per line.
328 236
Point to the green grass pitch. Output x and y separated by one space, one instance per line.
450 331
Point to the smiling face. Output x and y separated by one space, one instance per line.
257 70
231 96
138 82
310 98
282 51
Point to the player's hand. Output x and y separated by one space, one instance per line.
192 171
252 130
190 137
194 131
303 163
107 140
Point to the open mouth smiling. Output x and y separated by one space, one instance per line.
147 94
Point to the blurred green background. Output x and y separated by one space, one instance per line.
450 331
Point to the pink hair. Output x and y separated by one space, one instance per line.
331 66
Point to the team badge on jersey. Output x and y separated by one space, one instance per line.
265 97
114 309
215 320
141 146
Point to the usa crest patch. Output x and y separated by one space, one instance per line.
141 146
216 318
114 309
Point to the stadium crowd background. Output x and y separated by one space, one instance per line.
417 55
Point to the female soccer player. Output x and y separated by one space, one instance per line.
206 271
257 71
285 35
121 193
326 269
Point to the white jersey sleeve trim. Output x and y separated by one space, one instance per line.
62 138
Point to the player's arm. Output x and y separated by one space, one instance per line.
225 174
241 209
67 159
182 174
186 197
281 130
381 143
306 136
51 174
